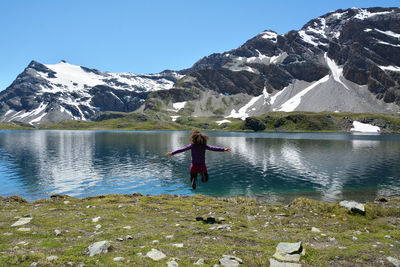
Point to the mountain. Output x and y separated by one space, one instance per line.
346 60
51 93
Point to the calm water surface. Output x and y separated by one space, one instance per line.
275 167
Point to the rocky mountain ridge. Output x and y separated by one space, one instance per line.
346 60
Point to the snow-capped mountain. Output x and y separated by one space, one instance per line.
51 93
346 60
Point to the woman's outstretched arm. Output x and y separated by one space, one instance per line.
217 148
179 150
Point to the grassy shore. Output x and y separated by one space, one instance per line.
273 121
161 222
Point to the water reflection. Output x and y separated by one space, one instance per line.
273 167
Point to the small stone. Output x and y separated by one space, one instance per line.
90 206
129 237
394 261
100 247
119 259
388 236
226 227
22 221
251 218
33 264
275 263
169 237
66 202
127 227
221 219
139 254
120 206
22 229
96 219
155 241
354 238
58 232
180 245
51 258
357 232
172 264
120 239
199 261
331 239
315 230
8 234
23 243
155 255
98 226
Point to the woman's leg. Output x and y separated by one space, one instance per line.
204 177
193 179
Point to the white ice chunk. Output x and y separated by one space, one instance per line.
223 121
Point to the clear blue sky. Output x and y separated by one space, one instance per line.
143 36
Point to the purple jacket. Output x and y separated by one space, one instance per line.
198 152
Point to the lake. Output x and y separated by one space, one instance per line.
273 167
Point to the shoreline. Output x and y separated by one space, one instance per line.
188 229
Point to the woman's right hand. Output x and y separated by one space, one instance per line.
169 154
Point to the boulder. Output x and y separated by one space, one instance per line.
172 264
288 251
353 206
230 261
100 247
155 255
22 221
394 261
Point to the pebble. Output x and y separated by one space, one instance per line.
96 219
8 234
129 237
180 245
155 241
119 258
51 258
127 227
230 261
394 261
66 202
199 261
98 226
357 232
354 238
22 221
120 239
388 236
169 237
172 264
33 264
22 229
90 206
23 243
155 255
226 227
58 232
315 230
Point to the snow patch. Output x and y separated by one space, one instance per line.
391 68
337 72
364 127
223 121
390 33
386 43
365 14
179 105
269 35
310 39
174 117
295 101
241 113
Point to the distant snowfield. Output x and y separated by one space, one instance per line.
364 128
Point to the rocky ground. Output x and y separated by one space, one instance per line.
167 230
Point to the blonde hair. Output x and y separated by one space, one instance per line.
198 138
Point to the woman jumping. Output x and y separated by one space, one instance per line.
198 146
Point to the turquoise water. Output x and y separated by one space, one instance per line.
275 167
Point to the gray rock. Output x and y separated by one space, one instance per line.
100 247
120 239
251 218
23 229
129 237
288 251
230 261
96 219
394 261
119 258
275 263
199 261
226 227
388 236
22 221
315 230
353 206
179 245
172 264
7 234
33 264
155 255
58 232
51 258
